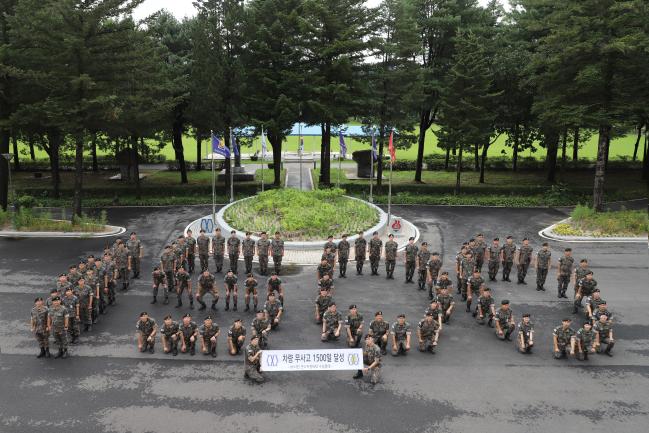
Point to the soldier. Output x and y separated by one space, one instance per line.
190 241
375 252
443 282
54 293
62 283
73 275
253 361
203 245
234 247
543 265
273 310
604 335
330 244
486 308
507 253
324 268
423 256
371 361
274 284
428 333
585 288
189 335
251 289
122 265
479 251
236 337
390 256
206 284
330 256
354 325
566 264
57 325
159 279
580 273
98 306
322 303
180 250
231 289
435 309
146 330
260 328
86 299
434 266
525 334
39 327
467 266
71 303
170 333
563 338
277 251
400 333
184 280
168 267
108 272
585 341
411 259
209 331
602 310
248 250
360 250
343 256
504 320
473 285
446 304
492 257
593 304
263 249
135 252
331 323
459 258
379 331
218 249
523 260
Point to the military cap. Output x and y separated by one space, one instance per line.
401 315
187 315
144 313
352 306
504 302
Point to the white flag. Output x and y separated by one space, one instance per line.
264 149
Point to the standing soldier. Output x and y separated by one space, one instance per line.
253 361
180 250
543 265
57 325
375 247
73 275
277 251
248 250
273 310
525 334
251 289
400 333
354 325
486 308
71 303
428 333
218 249
411 259
170 333
122 264
331 323
231 289
330 244
263 248
473 285
86 299
234 246
98 305
203 244
326 283
330 256
39 327
390 256
236 337
188 334
459 257
566 264
360 251
585 288
146 330
446 304
423 256
479 251
380 330
260 328
563 339
135 252
507 253
206 284
523 260
371 361
159 279
168 266
585 341
343 256
604 335
434 266
190 241
184 283
504 320
493 257
62 283
322 303
54 293
275 284
467 266
108 271
209 331
580 272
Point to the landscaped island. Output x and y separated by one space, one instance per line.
584 221
25 220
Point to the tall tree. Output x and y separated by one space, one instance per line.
6 102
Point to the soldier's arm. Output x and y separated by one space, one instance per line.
555 342
408 339
32 324
419 335
77 311
437 335
610 334
66 321
324 325
141 251
517 257
349 332
129 261
498 328
49 322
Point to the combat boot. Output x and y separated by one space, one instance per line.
227 305
191 303
609 347
247 308
358 375
203 305
234 307
192 349
166 301
42 354
47 352
155 300
180 303
60 354
174 349
151 350
213 307
213 351
65 354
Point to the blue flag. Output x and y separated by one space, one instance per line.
374 153
219 147
343 146
233 145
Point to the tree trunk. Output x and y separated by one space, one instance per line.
177 143
600 167
78 176
447 158
93 149
5 138
637 142
552 146
645 153
118 146
32 153
458 171
575 146
14 140
199 151
423 126
608 149
564 143
54 144
276 144
379 165
485 149
476 158
237 156
136 156
515 151
325 163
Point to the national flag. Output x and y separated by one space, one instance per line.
264 149
233 145
374 153
219 147
343 146
393 156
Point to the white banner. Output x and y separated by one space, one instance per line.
316 359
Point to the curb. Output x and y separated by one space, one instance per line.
548 233
114 231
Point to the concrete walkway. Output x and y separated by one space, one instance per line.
293 176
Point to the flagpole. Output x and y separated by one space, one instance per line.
299 147
372 167
231 168
390 195
213 181
263 159
339 161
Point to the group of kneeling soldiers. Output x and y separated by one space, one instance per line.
83 294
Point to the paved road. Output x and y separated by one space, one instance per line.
473 383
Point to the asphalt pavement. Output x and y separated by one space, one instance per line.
473 383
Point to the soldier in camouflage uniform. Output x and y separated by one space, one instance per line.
603 329
122 265
180 250
159 279
190 242
375 246
218 249
354 326
434 266
379 330
443 282
277 251
436 311
360 252
585 341
73 275
473 288
523 260
423 256
203 246
54 293
209 332
62 283
108 275
330 256
507 253
428 333
274 284
260 327
563 339
231 289
253 361
273 310
400 334
446 304
98 306
371 361
322 303
390 256
184 280
543 265
411 259
467 266
343 256
330 244
602 310
251 289
248 250
135 252
234 247
236 337
504 320
485 309
332 322
146 330
580 272
168 267
566 264
170 332
593 304
189 335
263 248
57 325
525 334
327 283
585 288
324 268
206 284
479 250
71 303
493 259
459 257
39 327
86 300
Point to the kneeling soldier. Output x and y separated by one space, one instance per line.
604 335
525 334
170 332
261 327
274 284
331 324
400 333
209 331
231 288
189 333
253 361
585 341
428 333
354 325
446 304
159 279
563 339
485 308
504 321
273 310
146 330
379 330
236 337
322 303
371 361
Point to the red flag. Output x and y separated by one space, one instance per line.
393 156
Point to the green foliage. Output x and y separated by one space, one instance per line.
25 201
28 221
586 220
301 215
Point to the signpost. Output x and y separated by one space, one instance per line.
311 359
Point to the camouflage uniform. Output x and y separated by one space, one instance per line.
187 331
466 270
251 290
603 329
585 340
274 285
331 321
190 241
524 260
375 254
203 244
504 317
325 284
525 330
207 334
145 329
159 279
207 284
170 333
277 250
39 320
370 355
231 289
184 278
445 302
218 251
86 295
580 274
494 261
423 257
331 245
485 303
360 250
543 258
58 316
508 251
121 264
479 253
180 251
248 250
400 333
434 266
134 247
563 340
585 290
252 369
262 251
168 260
411 261
354 323
234 334
428 331
71 303
233 252
325 269
330 257
322 303
377 330
566 264
108 278
272 310
259 326
390 257
472 290
343 257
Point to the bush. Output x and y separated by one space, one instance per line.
26 201
610 223
400 165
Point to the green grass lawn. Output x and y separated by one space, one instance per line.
585 221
